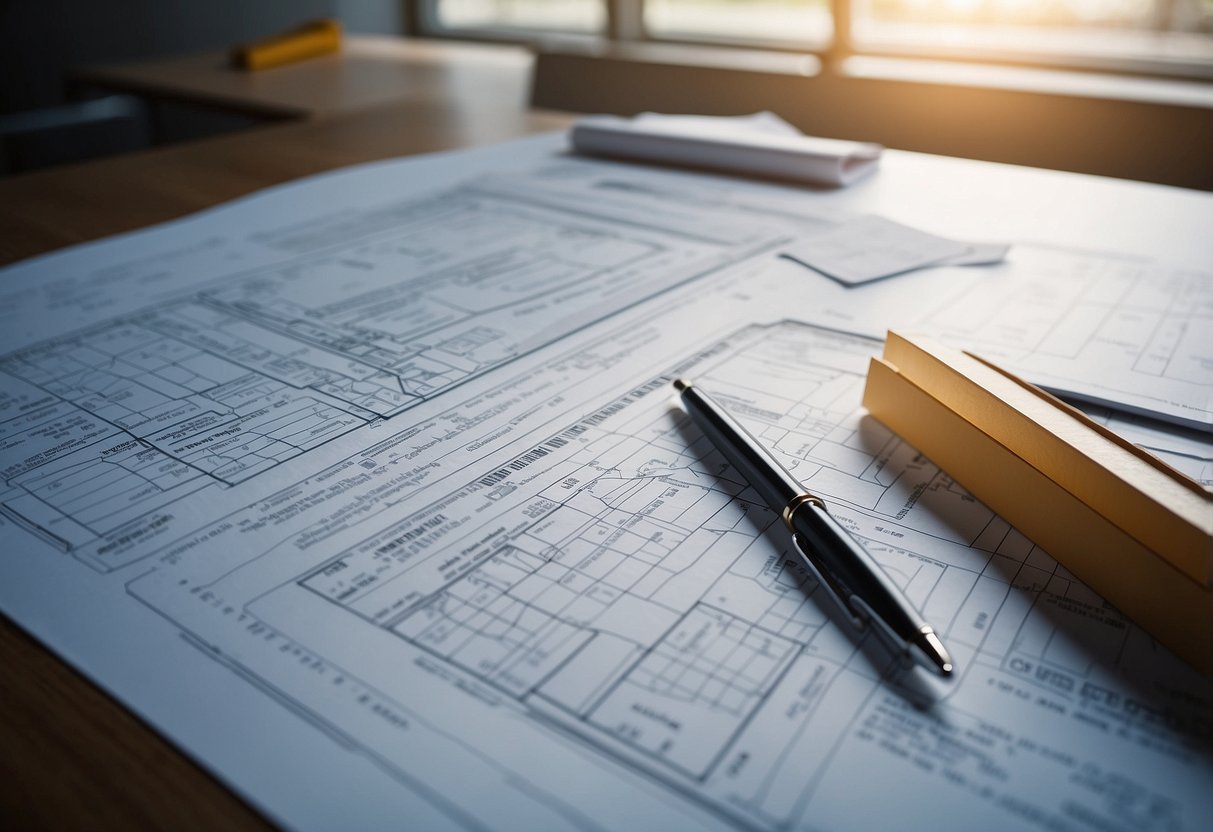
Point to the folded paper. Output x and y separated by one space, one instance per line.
761 144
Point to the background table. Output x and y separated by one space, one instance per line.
369 71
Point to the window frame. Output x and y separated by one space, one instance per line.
624 23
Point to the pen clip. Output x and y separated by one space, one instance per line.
835 590
853 607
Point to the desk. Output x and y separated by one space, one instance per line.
369 71
50 209
71 756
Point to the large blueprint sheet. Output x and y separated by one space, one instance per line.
118 426
379 504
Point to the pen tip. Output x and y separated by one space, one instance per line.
681 384
933 648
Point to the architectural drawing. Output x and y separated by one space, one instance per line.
363 318
1113 331
370 491
615 583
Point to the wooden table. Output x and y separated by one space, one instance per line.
48 209
369 71
71 757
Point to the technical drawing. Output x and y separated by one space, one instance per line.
215 388
619 583
1130 334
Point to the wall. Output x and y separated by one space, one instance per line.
43 39
1169 143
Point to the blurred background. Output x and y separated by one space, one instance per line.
1148 35
1083 85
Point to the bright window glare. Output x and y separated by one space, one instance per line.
555 15
1167 30
1156 14
1175 33
804 22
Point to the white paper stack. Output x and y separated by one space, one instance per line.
761 144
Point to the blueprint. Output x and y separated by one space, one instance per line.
615 596
1102 328
111 429
372 493
1111 331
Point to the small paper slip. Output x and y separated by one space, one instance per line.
761 144
870 248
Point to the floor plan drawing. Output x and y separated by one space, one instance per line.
120 421
1118 331
617 584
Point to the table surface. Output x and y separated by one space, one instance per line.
71 756
370 70
49 209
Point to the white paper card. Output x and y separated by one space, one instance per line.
870 248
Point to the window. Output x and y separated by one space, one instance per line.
585 16
1072 32
1171 37
807 22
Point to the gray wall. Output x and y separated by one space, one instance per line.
1153 142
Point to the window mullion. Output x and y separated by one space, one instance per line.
625 19
841 46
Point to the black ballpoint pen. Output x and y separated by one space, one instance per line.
843 567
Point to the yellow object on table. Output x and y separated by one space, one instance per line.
1130 526
319 37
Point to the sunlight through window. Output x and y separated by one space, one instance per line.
805 21
1176 35
555 15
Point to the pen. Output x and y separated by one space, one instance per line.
843 567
